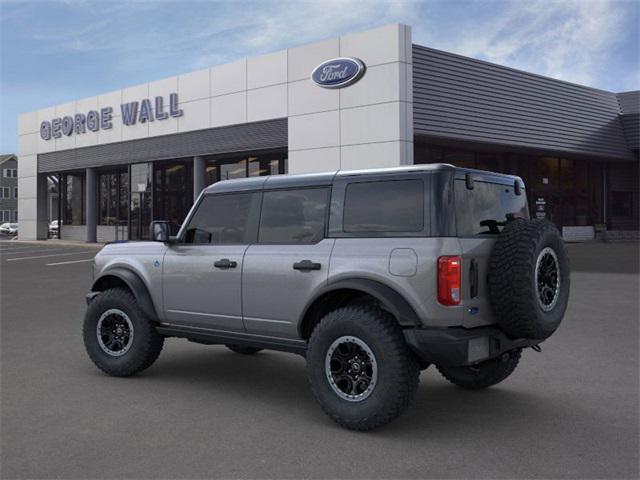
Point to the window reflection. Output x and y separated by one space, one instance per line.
113 195
73 199
242 166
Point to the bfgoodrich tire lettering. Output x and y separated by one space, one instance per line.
145 343
529 279
397 370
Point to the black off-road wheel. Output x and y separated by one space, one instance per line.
485 374
529 279
242 349
119 338
360 369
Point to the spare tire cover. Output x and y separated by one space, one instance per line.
529 279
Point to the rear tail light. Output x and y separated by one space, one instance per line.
449 280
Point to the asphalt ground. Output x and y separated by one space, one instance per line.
205 412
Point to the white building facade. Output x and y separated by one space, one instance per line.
367 124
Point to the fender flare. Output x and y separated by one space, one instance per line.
135 284
387 296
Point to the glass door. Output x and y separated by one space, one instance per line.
141 200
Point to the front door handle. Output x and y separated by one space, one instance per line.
306 265
225 263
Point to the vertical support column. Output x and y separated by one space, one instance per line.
91 210
42 214
199 176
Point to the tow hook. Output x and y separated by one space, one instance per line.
536 348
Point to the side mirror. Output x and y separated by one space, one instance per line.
160 231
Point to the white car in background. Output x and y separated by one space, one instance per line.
9 228
54 229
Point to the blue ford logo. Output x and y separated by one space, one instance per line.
338 72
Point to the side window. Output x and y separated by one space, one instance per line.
293 216
222 219
483 209
384 206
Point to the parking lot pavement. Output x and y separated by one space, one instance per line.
203 411
47 253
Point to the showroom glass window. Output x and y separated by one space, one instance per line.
223 219
293 216
73 199
172 191
113 195
245 165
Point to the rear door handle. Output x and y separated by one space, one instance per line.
225 263
306 265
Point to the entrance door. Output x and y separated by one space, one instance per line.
140 216
289 262
202 273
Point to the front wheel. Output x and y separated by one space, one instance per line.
360 369
485 374
119 338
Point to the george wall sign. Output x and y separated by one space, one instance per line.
94 120
338 72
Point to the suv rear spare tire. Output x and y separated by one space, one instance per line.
529 279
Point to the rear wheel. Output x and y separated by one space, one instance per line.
242 349
360 369
119 338
485 374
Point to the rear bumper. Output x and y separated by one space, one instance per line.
453 347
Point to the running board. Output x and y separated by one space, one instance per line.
217 337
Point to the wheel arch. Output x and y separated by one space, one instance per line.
120 277
346 291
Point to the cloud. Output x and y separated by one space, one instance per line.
569 40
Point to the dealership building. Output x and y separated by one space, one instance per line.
109 164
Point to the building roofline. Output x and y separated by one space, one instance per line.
518 70
6 158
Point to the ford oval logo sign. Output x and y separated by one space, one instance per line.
338 72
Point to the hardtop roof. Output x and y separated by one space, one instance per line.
327 178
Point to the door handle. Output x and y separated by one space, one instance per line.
306 265
225 263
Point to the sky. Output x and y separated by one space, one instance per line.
55 51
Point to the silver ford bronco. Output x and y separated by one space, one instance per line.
371 275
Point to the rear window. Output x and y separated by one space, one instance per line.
483 209
384 206
293 216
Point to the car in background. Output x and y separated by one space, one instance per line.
9 228
54 229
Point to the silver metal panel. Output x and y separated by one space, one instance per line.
369 258
198 294
236 138
274 294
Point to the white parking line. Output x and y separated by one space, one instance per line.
53 255
19 247
71 261
38 250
